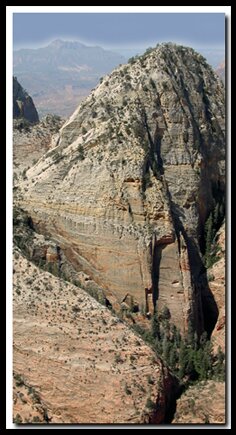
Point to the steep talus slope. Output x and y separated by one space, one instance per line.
75 362
131 181
23 105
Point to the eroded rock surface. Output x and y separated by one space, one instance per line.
216 276
75 362
131 180
203 403
30 142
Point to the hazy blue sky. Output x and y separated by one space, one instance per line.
120 29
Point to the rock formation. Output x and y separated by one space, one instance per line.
75 362
216 278
23 105
203 403
127 188
30 142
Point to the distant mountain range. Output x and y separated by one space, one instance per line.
61 74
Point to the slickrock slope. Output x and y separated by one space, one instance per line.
217 285
30 142
23 105
75 362
203 403
128 187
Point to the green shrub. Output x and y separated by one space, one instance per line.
127 390
81 152
17 419
150 404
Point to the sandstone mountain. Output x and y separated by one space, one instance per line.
133 176
75 362
61 74
23 105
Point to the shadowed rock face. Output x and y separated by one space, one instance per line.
216 276
128 187
23 105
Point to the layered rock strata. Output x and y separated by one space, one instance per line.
75 362
131 180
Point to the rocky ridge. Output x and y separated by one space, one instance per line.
131 180
23 105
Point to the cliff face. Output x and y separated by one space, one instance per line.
75 362
216 275
131 180
30 142
23 105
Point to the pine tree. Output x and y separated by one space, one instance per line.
165 313
203 358
219 366
216 220
195 341
189 368
166 345
155 326
208 358
158 346
183 357
190 334
173 357
203 339
198 365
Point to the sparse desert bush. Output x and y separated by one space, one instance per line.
127 389
17 419
150 404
